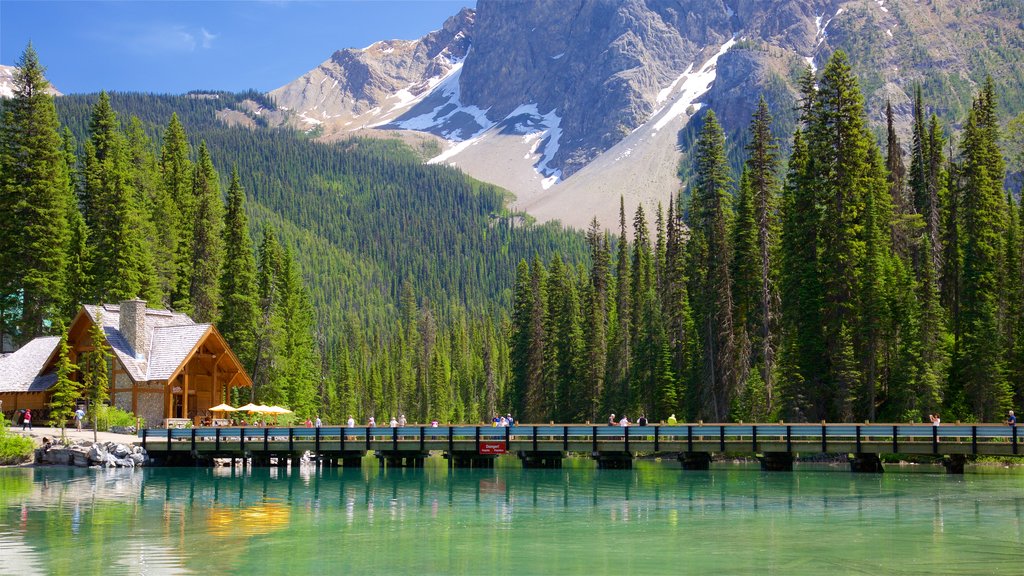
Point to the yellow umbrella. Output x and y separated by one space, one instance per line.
250 407
223 408
277 410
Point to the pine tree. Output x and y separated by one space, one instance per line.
710 254
116 250
206 240
760 246
146 184
94 365
522 306
178 211
65 392
34 201
239 311
537 396
680 338
841 147
596 320
77 280
620 354
802 291
978 364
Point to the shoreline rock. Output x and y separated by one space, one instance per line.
85 453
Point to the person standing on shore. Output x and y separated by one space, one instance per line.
1011 419
351 422
79 416
26 419
611 420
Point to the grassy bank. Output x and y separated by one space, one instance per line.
14 449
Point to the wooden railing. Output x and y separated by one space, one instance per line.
740 438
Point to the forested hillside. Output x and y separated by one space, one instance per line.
376 277
857 281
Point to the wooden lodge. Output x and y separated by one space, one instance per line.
164 365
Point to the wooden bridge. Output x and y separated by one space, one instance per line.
544 446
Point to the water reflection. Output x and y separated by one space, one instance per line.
576 519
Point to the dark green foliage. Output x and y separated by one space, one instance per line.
35 203
710 252
119 263
979 377
64 394
238 278
94 365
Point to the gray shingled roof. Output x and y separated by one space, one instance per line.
170 336
19 372
178 343
171 344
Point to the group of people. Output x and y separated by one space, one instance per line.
26 418
641 421
503 421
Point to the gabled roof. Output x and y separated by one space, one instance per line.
171 345
169 341
160 347
19 372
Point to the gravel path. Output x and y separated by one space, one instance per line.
38 432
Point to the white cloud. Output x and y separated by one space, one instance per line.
169 38
208 38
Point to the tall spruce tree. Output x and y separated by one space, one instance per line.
756 242
176 174
65 392
710 253
35 203
206 240
239 310
842 148
596 319
116 247
979 380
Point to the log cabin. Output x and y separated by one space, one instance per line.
164 365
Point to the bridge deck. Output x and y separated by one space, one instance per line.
981 439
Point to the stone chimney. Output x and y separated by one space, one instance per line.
133 325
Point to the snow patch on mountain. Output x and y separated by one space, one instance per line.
693 85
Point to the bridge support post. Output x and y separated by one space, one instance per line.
469 460
695 460
866 463
403 459
351 461
776 461
541 459
614 460
954 463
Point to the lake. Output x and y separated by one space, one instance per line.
654 519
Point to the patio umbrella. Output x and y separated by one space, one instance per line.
277 410
250 407
223 408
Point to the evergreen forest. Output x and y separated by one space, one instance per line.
852 280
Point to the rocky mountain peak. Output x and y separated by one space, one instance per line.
7 82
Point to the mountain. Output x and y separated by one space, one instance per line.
571 103
7 82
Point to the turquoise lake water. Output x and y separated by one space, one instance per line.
654 519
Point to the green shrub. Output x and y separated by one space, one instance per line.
113 416
14 449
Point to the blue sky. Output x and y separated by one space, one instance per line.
173 47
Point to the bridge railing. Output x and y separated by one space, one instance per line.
678 436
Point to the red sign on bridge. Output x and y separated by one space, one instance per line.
492 448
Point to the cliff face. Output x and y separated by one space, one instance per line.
528 94
386 74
